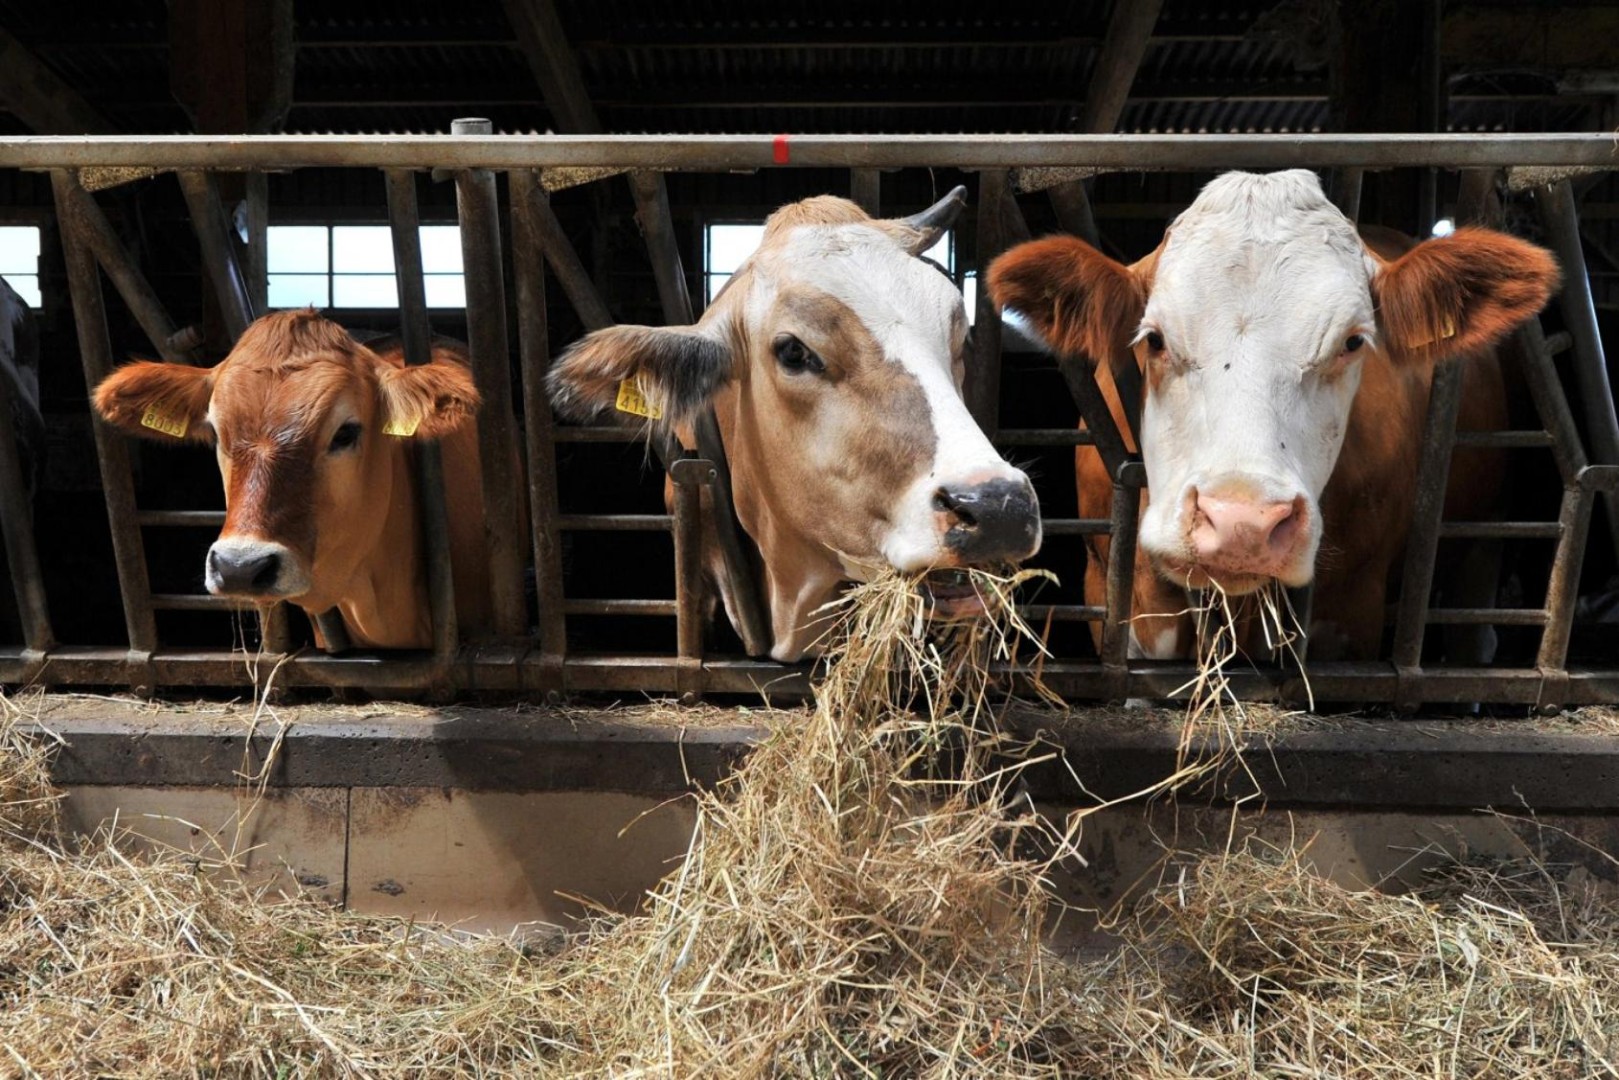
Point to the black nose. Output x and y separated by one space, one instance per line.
236 572
997 521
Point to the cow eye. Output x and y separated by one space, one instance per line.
1354 343
1155 341
345 437
797 357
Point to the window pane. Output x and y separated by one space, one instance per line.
27 287
969 294
297 249
441 251
19 249
943 252
362 249
364 290
298 290
716 282
445 290
730 245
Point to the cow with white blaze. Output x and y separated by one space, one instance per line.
314 434
1286 364
834 361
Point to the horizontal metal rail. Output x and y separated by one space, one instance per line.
619 607
1500 530
725 152
616 522
181 519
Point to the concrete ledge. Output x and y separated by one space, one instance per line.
1414 764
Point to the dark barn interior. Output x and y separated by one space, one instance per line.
363 67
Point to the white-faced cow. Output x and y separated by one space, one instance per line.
1287 364
313 432
834 361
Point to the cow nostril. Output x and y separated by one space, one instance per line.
947 503
267 571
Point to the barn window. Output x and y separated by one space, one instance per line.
726 246
352 266
19 261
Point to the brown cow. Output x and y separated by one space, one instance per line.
313 432
1287 365
834 360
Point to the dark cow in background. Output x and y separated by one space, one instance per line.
1286 364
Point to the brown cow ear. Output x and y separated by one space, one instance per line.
1077 299
157 400
660 373
430 400
1461 293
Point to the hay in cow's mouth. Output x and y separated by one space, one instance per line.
968 592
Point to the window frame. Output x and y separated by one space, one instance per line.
331 222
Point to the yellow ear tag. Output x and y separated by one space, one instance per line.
403 429
631 400
175 424
1446 331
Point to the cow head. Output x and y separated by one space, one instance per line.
1251 323
837 358
306 423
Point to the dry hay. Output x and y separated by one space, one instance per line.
862 899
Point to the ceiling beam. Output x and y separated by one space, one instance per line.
545 46
1129 29
42 99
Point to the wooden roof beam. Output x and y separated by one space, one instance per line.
545 46
42 99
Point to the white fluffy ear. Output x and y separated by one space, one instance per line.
676 368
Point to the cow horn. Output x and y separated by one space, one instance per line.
931 223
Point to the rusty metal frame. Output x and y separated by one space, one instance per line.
543 663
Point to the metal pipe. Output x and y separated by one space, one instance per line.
17 531
98 233
1202 153
1422 543
1044 437
983 384
218 250
866 189
1347 182
1076 526
615 522
559 250
657 225
416 336
621 607
1093 409
491 362
334 634
1486 616
112 450
1121 575
530 213
1551 404
689 477
1563 585
736 547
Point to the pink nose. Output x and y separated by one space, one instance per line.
1244 536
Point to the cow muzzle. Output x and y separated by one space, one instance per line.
994 522
254 569
1240 542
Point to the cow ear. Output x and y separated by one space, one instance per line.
1077 299
430 400
157 400
658 372
1460 293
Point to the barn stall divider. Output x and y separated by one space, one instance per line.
531 655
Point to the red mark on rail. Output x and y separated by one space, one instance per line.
778 150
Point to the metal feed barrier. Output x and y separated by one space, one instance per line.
539 662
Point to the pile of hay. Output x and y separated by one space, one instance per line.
867 897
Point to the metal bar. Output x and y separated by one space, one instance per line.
1121 571
866 189
17 531
1076 526
657 225
1422 543
983 387
182 519
1504 440
99 235
1200 152
1073 209
1551 404
621 607
615 522
416 335
1486 617
559 250
112 450
1500 530
1347 182
689 477
491 361
569 434
529 209
1063 612
1558 216
334 634
1044 437
1093 409
218 250
1563 586
256 250
736 547
198 602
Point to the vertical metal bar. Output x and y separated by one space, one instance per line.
218 250
98 234
417 336
275 636
1430 111
256 254
689 476
1074 214
984 377
528 206
1422 545
1563 585
559 252
1346 187
1121 574
657 225
491 361
866 189
1558 215
112 450
17 530
1093 409
735 546
333 631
